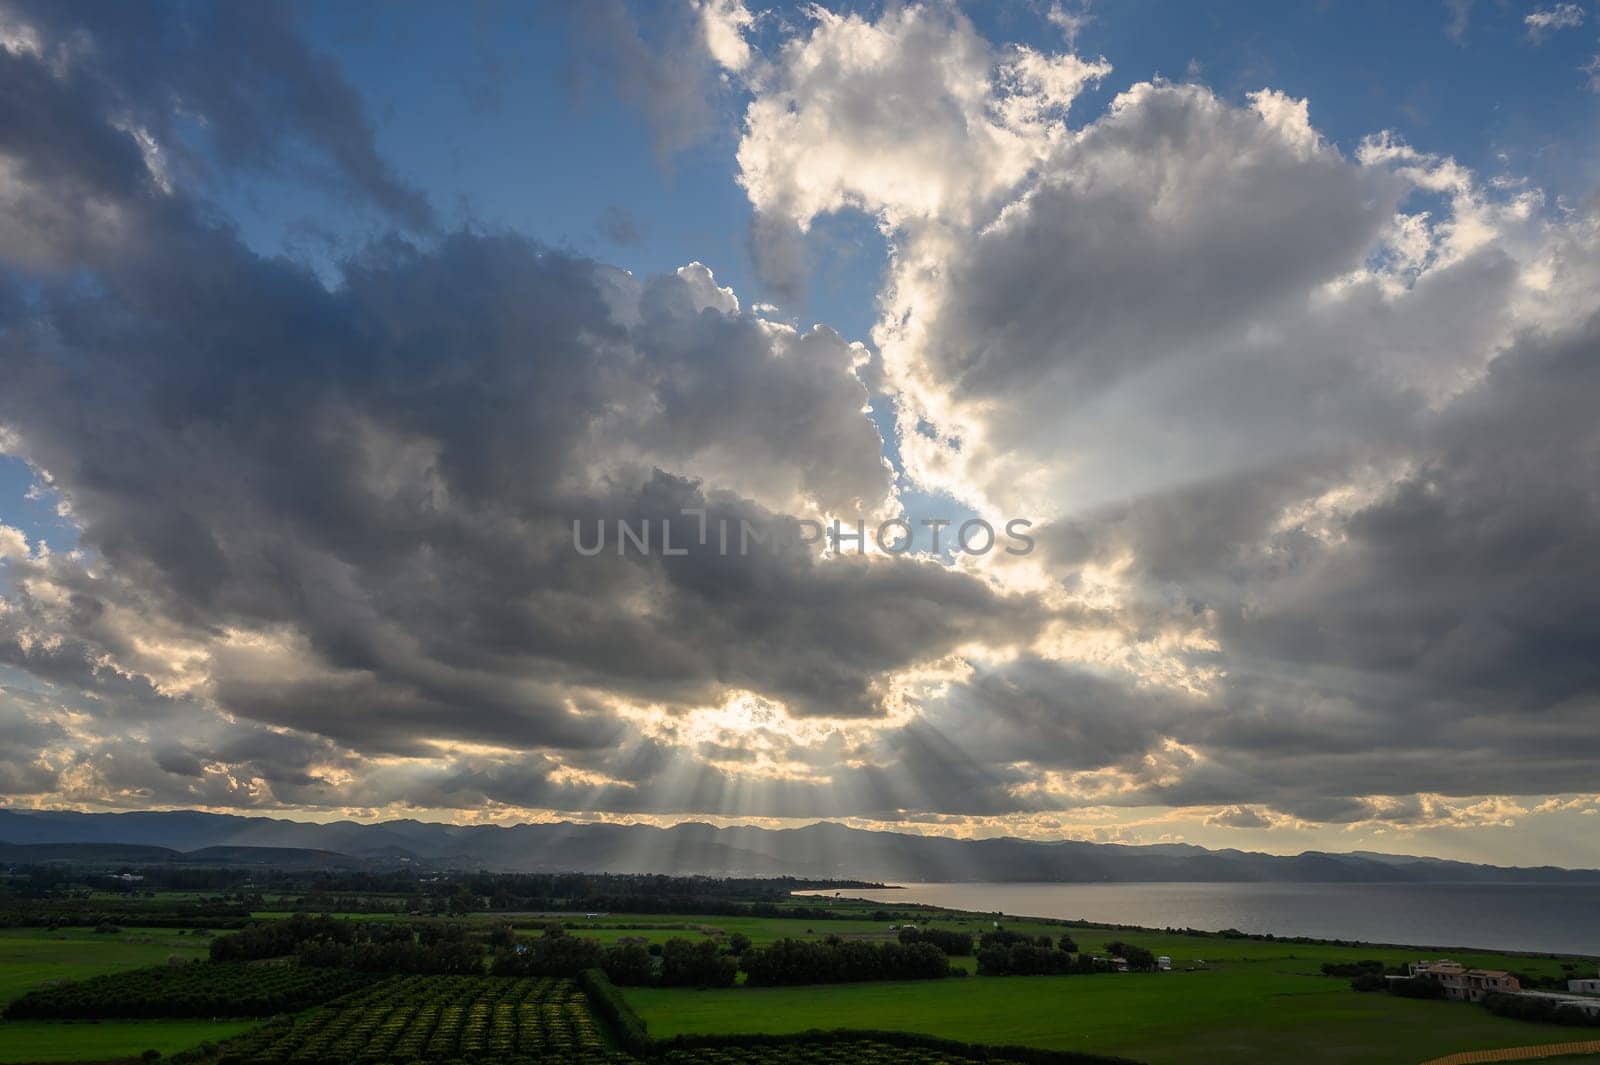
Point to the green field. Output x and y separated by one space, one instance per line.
30 1041
31 958
1231 999
1256 1001
34 957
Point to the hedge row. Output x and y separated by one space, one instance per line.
627 1027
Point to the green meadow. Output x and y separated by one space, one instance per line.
45 1041
1254 1001
34 957
1239 1000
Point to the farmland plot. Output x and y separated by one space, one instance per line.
490 1020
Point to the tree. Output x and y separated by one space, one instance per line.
628 964
1138 959
685 963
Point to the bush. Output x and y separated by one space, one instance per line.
1030 959
627 964
1138 959
1416 987
626 1025
954 944
1547 1010
835 961
687 963
552 954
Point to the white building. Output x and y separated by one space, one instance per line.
1591 1006
1589 986
1459 982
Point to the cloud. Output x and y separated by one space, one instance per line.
1238 817
247 91
342 516
660 63
1460 20
1269 394
725 24
912 116
1306 434
1543 22
618 226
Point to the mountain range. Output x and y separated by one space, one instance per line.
822 850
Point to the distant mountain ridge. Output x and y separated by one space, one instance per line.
822 850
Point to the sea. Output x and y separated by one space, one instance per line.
1533 918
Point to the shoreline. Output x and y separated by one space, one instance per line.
1219 934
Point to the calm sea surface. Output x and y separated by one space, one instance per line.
1560 918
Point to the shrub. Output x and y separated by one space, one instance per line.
687 963
1548 1010
1416 987
628 964
798 961
954 944
626 1025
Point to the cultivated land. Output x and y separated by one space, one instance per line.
1234 999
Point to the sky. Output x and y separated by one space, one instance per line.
1264 336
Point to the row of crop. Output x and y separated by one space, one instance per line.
198 989
435 1018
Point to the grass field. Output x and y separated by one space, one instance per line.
33 957
33 1041
1249 1001
1256 1001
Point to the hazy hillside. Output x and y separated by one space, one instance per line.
820 850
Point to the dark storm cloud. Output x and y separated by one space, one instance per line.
346 513
1343 567
1440 636
1057 716
239 77
398 494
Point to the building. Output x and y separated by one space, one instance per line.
1589 986
1582 1003
1467 985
